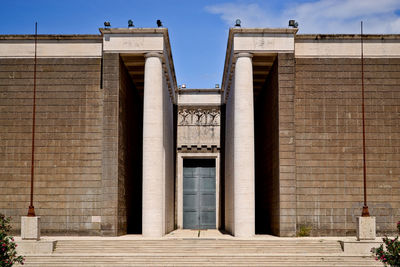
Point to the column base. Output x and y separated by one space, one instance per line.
366 228
30 228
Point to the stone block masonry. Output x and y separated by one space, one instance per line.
89 134
275 151
122 150
287 156
109 133
329 143
109 197
68 142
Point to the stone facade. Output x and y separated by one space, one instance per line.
308 134
68 153
113 130
329 142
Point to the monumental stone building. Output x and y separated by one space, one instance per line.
121 149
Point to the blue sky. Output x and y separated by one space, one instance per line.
199 28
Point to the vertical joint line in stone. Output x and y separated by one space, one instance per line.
101 66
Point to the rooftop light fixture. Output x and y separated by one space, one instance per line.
217 85
130 23
183 86
237 23
159 23
107 24
293 23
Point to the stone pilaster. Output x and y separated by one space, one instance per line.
153 193
109 181
244 202
287 146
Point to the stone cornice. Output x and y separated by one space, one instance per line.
327 37
133 30
233 31
52 37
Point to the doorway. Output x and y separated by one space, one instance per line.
199 194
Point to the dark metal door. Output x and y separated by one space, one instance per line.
199 198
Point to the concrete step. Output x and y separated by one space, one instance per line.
196 246
198 252
205 260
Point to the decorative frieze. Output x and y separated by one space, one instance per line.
209 116
198 148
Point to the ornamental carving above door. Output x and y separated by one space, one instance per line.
199 116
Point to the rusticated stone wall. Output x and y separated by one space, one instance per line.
68 153
122 151
329 143
275 151
287 144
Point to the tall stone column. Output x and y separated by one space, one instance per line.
244 202
152 221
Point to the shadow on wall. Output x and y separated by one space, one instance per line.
130 155
267 156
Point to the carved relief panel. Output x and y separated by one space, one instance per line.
196 116
199 126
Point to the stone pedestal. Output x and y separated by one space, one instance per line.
366 228
30 228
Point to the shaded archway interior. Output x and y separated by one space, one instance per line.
265 85
130 138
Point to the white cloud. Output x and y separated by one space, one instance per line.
251 15
322 16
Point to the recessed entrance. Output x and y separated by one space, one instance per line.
199 194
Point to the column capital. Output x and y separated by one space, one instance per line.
153 54
243 54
